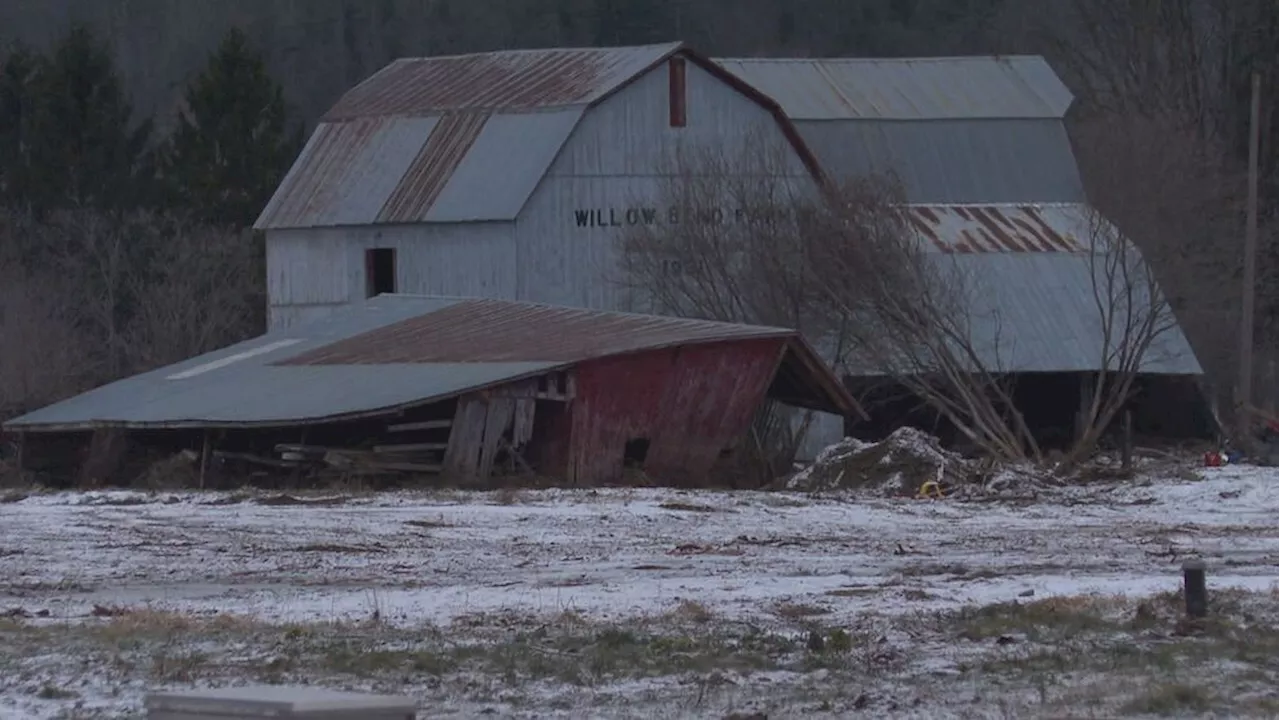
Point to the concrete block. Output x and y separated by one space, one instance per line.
277 701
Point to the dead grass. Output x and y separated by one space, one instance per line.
1172 699
690 507
341 549
429 524
799 611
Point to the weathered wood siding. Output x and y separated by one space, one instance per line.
690 403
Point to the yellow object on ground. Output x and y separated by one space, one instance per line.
931 489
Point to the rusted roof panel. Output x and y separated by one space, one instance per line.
908 88
506 80
1029 281
503 331
346 172
1003 228
432 169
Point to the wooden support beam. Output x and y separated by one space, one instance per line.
425 425
410 447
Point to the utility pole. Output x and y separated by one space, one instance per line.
1244 382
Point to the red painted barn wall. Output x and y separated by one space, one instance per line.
690 403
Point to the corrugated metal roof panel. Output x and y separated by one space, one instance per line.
522 147
346 172
908 88
432 169
387 352
1003 228
482 330
505 80
954 161
1031 299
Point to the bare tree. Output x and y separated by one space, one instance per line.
846 265
1134 321
752 242
205 291
41 348
913 314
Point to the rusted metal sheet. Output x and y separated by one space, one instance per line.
908 88
1003 228
689 403
506 80
345 173
432 167
498 331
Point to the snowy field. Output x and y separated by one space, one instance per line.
649 602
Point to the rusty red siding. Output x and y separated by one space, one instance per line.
690 403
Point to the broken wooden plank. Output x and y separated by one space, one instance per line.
410 447
464 441
522 421
424 425
253 459
496 423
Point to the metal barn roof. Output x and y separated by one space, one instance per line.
954 161
1029 280
908 88
456 167
462 138
395 351
509 80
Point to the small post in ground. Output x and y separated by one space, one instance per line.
204 457
1193 588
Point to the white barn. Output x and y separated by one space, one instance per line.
502 175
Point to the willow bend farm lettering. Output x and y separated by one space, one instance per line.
641 216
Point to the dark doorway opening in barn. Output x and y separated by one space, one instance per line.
634 452
379 271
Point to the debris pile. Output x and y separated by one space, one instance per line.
898 465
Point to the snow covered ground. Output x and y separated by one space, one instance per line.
777 563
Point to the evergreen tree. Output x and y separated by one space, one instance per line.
232 144
80 150
17 97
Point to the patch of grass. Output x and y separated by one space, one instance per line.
691 611
1171 699
1055 619
49 691
180 666
575 654
428 524
334 548
689 507
799 611
284 500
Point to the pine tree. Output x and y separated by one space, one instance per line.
232 144
17 97
80 148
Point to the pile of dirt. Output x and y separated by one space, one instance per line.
898 465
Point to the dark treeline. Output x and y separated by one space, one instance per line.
122 248
136 147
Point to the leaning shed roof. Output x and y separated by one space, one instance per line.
908 88
461 138
1029 279
397 351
